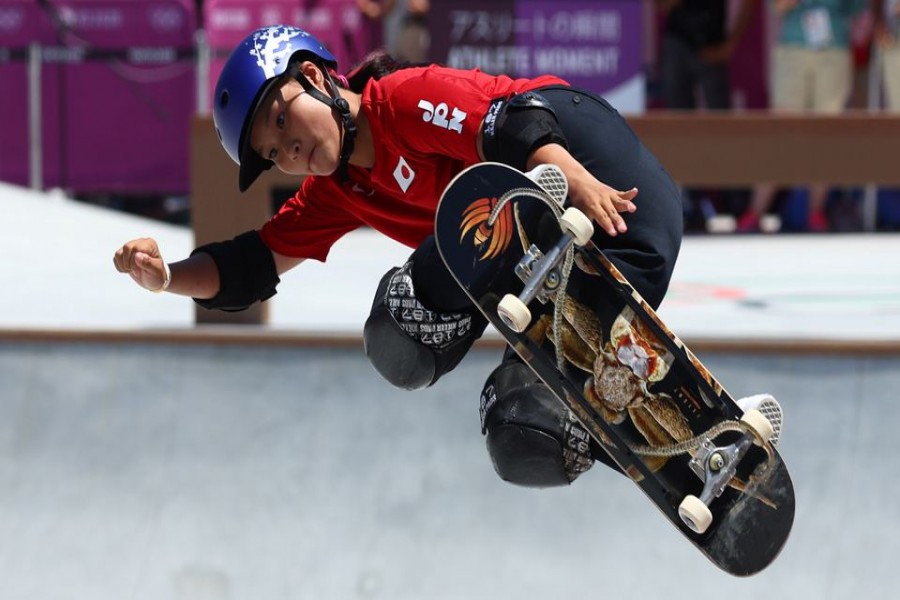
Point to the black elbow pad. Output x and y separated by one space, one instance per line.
246 272
515 127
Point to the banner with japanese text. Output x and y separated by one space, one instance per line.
596 45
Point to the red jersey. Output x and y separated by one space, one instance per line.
425 124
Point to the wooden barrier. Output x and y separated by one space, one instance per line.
219 211
739 149
714 149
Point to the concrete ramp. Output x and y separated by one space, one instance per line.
156 472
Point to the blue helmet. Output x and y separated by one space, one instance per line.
252 69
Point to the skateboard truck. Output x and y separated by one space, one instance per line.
717 465
541 272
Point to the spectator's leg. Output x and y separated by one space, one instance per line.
891 76
832 84
716 85
677 79
790 78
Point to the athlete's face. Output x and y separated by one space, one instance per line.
298 133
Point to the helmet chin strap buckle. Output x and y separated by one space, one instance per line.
343 108
337 103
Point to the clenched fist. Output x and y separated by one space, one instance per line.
142 261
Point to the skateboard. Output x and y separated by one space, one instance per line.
531 266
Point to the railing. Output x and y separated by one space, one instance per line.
97 94
123 78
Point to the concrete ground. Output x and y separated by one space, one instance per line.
135 467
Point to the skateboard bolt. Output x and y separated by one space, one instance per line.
716 462
552 280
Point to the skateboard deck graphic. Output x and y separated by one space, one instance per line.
632 383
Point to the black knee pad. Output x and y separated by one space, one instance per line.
533 440
410 345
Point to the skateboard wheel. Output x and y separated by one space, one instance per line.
514 313
577 224
758 422
695 514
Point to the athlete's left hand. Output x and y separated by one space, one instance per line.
600 202
604 204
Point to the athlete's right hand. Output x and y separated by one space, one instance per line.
141 259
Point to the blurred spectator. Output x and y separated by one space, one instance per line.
887 35
812 70
374 13
413 38
697 47
695 53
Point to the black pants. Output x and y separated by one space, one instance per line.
684 74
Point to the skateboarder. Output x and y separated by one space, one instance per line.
378 147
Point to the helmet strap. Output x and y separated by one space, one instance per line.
337 103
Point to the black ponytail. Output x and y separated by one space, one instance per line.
375 65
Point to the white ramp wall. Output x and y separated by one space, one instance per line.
156 472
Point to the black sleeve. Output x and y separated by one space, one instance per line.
515 127
246 272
